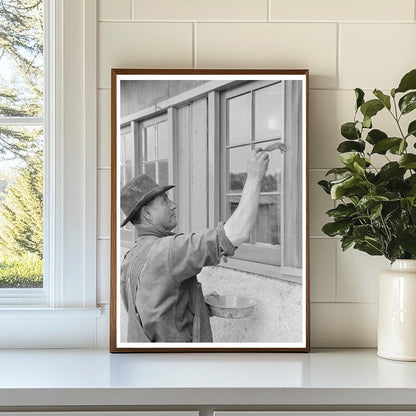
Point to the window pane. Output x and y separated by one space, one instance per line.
128 156
237 168
21 58
239 119
232 203
272 181
268 112
162 140
163 172
150 169
21 207
149 146
268 220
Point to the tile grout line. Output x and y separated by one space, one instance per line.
194 63
269 10
338 66
336 272
131 10
308 22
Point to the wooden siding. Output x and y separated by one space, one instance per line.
137 95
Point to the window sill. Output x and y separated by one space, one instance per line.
34 311
40 327
262 269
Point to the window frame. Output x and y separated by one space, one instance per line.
135 128
250 252
69 317
38 296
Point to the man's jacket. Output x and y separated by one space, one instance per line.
159 287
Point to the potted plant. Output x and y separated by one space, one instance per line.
376 207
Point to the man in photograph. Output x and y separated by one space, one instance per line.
159 287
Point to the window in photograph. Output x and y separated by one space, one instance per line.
154 150
143 149
252 116
22 126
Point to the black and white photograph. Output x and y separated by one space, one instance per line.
209 211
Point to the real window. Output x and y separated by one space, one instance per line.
22 128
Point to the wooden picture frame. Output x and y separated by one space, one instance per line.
194 129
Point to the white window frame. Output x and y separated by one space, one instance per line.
65 315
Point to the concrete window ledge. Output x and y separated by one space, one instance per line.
91 379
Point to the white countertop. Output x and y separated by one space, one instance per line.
96 377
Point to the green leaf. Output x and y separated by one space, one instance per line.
371 108
391 170
325 186
338 171
367 122
359 165
411 130
399 148
342 211
369 201
408 161
408 102
349 158
393 92
333 229
368 248
383 145
346 242
350 146
375 212
393 250
349 131
361 231
338 190
385 99
407 240
375 136
359 94
408 82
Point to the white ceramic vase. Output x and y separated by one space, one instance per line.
397 312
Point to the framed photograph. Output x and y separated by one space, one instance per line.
209 211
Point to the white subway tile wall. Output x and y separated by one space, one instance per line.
104 128
142 45
114 10
345 44
200 10
270 45
355 10
104 202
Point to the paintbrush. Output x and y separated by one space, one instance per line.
274 146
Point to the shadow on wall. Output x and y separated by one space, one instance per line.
277 316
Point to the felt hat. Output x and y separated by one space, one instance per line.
138 192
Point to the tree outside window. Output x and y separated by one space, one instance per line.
21 143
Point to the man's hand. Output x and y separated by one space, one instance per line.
257 163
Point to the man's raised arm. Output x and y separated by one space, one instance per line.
239 226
